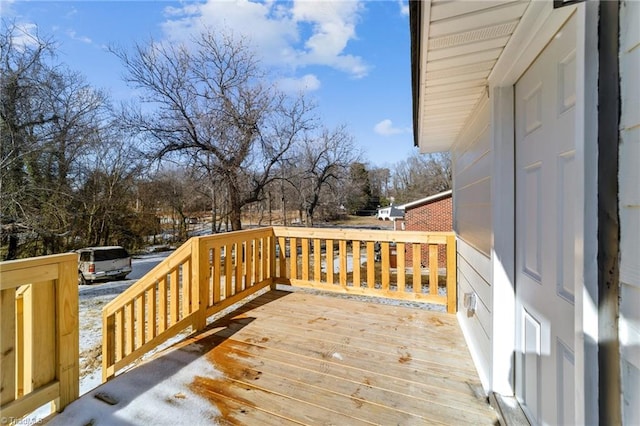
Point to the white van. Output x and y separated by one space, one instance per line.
103 263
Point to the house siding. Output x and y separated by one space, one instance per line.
472 162
629 203
434 216
472 180
474 270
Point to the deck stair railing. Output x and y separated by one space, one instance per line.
204 276
39 337
210 273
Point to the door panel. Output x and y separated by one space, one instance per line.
545 234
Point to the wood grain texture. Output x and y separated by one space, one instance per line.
300 358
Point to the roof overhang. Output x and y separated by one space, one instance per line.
455 46
427 200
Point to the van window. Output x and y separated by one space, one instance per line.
102 255
85 256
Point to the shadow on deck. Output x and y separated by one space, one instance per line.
300 358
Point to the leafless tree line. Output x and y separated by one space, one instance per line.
207 132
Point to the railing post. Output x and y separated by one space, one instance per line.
272 259
200 275
67 334
452 300
8 345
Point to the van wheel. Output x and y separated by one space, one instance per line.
81 279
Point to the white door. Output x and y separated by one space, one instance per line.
545 237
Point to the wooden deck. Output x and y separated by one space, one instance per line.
300 358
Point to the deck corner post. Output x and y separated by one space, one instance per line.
8 344
68 334
452 299
200 264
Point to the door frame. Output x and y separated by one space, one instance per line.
538 25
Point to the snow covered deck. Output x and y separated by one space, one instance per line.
300 358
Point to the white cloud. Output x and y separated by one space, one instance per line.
386 128
26 34
287 35
74 36
404 7
307 83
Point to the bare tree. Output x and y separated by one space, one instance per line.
47 116
106 197
420 176
379 178
323 162
212 101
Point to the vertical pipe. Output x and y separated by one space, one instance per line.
610 389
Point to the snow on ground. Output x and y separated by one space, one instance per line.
159 391
167 395
91 299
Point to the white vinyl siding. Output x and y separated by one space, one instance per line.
471 157
629 176
472 180
473 277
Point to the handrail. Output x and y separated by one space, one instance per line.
370 262
204 276
39 342
209 273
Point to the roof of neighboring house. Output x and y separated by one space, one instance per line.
391 212
427 200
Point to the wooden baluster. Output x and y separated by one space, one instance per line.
140 320
401 265
433 269
162 305
239 265
249 264
152 312
317 260
417 270
342 253
174 297
305 259
385 266
371 265
329 262
355 247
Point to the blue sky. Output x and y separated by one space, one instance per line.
351 57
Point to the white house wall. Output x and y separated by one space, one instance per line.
629 176
472 180
471 157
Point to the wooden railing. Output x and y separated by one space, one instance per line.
39 340
208 274
204 276
404 265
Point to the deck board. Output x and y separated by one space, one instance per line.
327 360
295 358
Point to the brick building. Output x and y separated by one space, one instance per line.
433 213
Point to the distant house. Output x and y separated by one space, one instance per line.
390 213
433 213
